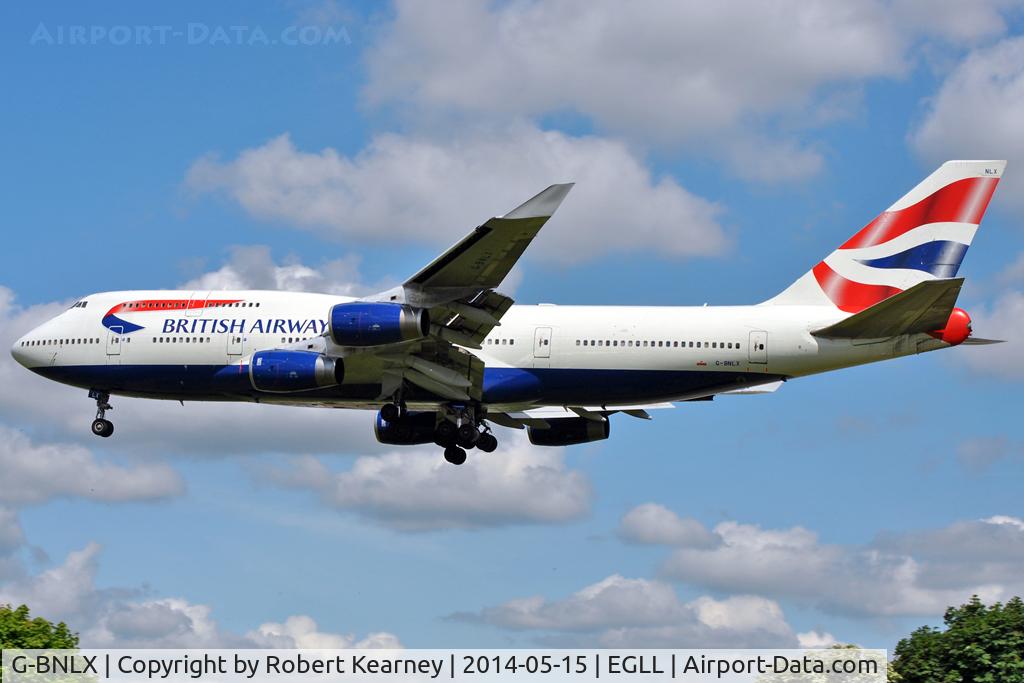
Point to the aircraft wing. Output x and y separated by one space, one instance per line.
458 286
458 291
482 259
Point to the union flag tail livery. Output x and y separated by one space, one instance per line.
923 236
444 357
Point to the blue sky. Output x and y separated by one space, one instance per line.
719 153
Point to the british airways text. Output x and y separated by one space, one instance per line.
311 326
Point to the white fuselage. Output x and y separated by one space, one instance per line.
196 346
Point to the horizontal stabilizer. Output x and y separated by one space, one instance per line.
925 307
978 341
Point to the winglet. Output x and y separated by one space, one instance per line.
543 205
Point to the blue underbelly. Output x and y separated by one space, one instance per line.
553 386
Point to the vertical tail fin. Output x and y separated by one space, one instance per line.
923 236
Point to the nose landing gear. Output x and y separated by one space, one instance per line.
102 426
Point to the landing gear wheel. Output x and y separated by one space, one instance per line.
444 435
390 412
467 435
455 455
487 443
101 427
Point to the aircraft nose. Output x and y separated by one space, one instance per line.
18 351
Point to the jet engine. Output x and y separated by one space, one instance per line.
408 430
957 329
373 324
283 371
566 431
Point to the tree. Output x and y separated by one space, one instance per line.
18 630
981 644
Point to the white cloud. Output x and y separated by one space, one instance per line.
982 552
980 453
11 534
303 632
1006 519
976 115
414 489
918 573
613 601
815 640
655 524
118 617
60 593
252 267
623 612
38 472
705 75
414 188
159 623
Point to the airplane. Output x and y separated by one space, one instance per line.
444 356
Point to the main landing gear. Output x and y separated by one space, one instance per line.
461 430
102 426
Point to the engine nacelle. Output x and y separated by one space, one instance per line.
957 329
283 371
373 324
566 431
408 430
